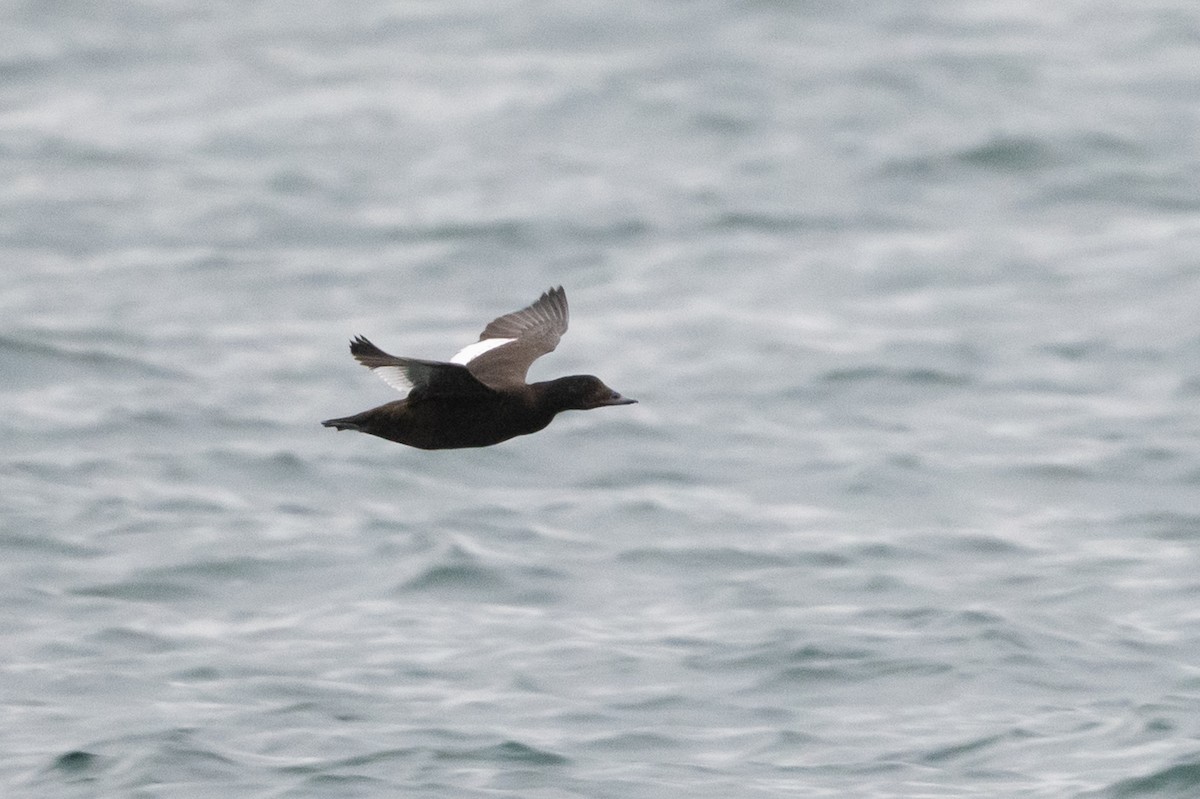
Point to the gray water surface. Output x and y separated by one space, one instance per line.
910 506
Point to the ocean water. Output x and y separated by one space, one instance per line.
909 294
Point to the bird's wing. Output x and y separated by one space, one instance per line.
422 378
510 343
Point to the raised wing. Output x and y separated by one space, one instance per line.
510 343
421 378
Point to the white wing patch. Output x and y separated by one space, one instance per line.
395 377
473 351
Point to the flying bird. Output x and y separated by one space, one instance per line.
479 397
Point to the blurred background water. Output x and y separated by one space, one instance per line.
908 292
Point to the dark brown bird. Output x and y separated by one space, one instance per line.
480 396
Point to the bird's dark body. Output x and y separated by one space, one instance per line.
449 423
480 397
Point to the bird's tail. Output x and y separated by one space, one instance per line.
348 423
